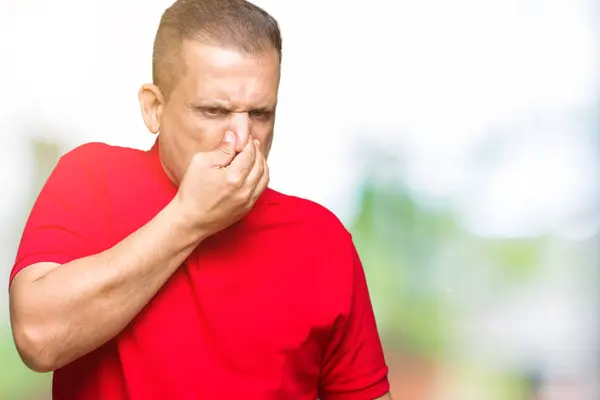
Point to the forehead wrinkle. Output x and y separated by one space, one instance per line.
239 80
236 95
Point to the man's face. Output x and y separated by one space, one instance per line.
219 90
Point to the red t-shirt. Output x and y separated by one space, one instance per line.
274 307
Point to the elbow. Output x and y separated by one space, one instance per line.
33 335
33 346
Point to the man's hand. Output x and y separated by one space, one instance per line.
220 187
51 303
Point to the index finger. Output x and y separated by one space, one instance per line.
243 162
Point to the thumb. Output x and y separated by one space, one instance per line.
224 154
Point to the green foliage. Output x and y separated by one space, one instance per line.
16 381
483 381
517 258
408 248
397 241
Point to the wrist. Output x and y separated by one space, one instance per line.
185 220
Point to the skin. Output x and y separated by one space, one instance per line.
222 90
219 182
216 130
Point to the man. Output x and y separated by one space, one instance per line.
176 273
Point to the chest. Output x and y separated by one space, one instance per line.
244 308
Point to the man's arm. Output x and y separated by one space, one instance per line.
62 312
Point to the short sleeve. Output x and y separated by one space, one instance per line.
353 366
68 220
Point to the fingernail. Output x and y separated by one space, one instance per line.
257 142
229 137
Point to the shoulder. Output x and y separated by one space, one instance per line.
308 216
314 241
99 153
88 167
96 159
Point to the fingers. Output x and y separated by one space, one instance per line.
263 183
224 154
255 176
242 164
249 172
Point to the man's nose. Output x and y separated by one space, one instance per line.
240 125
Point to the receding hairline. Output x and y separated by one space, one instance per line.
176 63
235 25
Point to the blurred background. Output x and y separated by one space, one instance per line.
458 140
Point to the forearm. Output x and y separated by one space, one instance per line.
74 308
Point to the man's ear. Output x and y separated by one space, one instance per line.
152 103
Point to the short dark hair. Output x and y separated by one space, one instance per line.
236 24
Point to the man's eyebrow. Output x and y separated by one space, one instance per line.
226 105
212 103
265 106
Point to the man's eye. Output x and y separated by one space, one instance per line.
260 114
212 111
